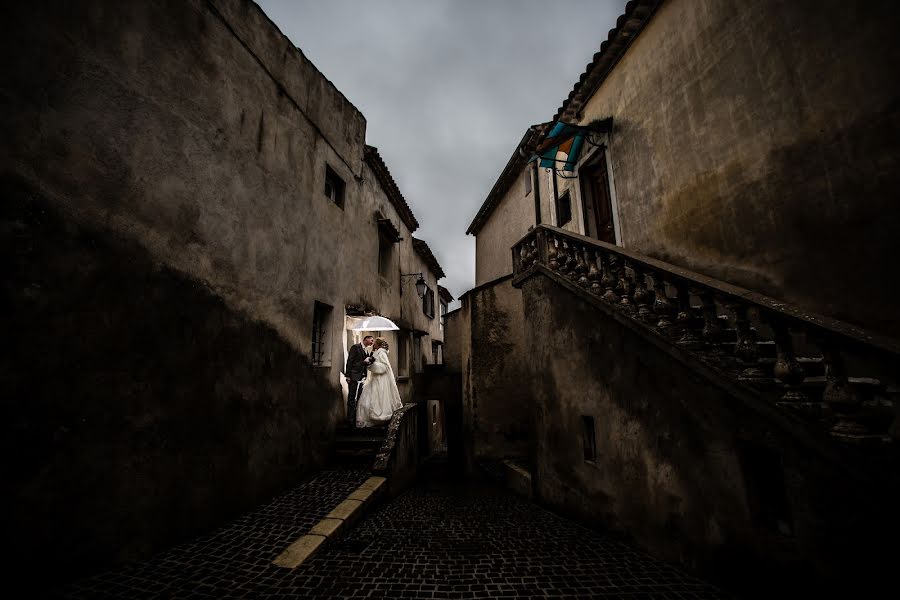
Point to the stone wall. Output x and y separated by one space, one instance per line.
759 143
139 408
167 237
690 471
494 358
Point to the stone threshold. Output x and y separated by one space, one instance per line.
332 525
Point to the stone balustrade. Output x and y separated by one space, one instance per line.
820 369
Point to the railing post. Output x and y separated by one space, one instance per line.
840 397
662 307
593 272
684 319
745 349
712 327
626 302
542 251
581 267
608 281
642 296
788 369
552 253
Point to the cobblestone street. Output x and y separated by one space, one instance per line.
438 540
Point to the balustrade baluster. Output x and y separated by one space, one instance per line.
552 253
841 398
712 326
642 295
563 257
523 256
685 318
662 307
581 267
627 289
745 349
572 262
788 369
593 272
608 281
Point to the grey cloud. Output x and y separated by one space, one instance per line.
448 88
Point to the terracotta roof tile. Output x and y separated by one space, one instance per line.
374 160
424 251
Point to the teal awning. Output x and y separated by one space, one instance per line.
562 138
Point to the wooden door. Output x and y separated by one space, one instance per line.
596 201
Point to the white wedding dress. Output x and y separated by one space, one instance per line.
380 396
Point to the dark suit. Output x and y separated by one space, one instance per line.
355 370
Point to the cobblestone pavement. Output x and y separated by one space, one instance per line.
439 540
223 563
446 541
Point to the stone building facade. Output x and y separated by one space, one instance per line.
190 216
751 143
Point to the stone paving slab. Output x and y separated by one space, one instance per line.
234 560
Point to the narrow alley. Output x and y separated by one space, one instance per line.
443 538
447 299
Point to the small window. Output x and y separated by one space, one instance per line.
334 187
403 353
428 303
589 441
385 254
437 357
443 312
417 353
563 209
527 182
321 335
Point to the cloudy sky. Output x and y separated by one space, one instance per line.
448 87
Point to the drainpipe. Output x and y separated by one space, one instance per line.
555 192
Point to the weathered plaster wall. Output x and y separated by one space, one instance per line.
187 141
139 409
507 224
495 359
455 334
668 467
759 143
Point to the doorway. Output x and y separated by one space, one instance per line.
596 199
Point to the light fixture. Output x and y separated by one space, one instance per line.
420 283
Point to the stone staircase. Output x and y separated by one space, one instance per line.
357 447
822 371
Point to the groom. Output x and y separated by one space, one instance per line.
359 357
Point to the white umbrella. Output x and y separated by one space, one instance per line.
375 323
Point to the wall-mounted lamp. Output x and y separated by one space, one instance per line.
420 283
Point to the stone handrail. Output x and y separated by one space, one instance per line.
730 327
398 459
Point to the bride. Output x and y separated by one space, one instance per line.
380 397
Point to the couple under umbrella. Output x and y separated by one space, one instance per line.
372 390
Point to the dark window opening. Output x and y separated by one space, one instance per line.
588 438
428 303
563 209
385 254
320 334
443 312
766 491
403 353
334 187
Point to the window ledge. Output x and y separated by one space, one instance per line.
403 379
